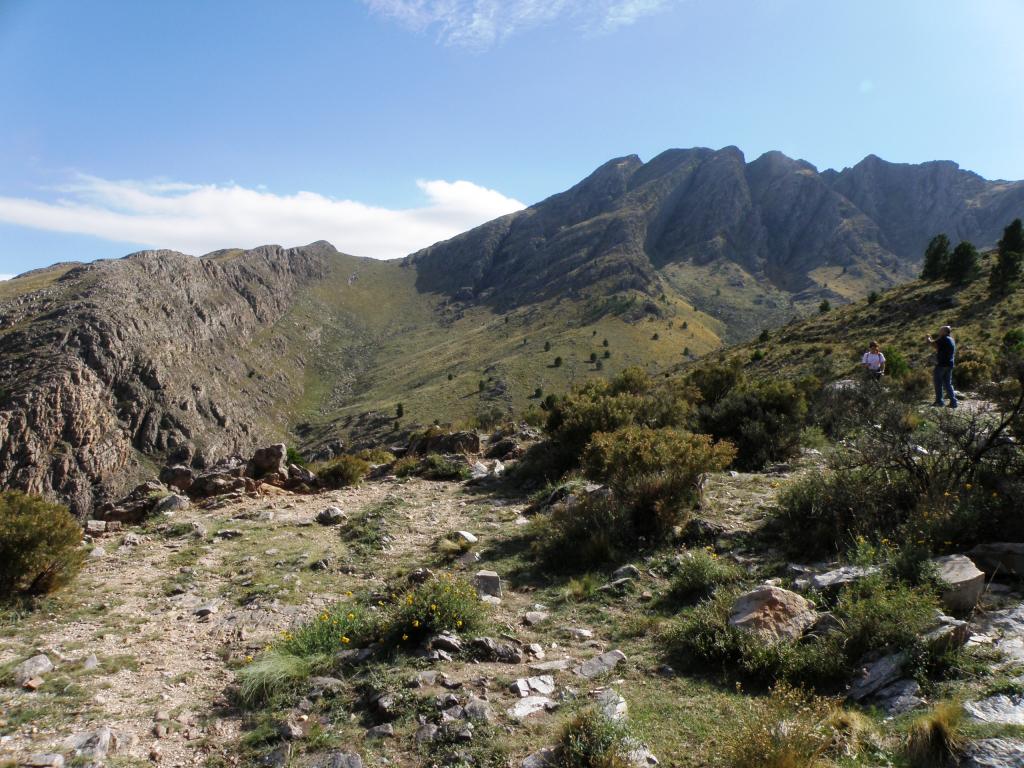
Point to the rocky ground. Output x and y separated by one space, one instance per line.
145 646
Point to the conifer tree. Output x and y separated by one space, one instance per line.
963 264
1007 269
936 258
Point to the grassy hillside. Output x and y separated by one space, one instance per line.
830 344
364 340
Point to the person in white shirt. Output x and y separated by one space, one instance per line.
873 361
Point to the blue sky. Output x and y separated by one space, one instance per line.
385 125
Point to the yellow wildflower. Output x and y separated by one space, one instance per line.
345 640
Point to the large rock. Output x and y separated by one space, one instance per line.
999 558
1004 709
530 705
600 665
136 506
91 745
994 753
773 613
487 583
177 476
963 580
876 675
834 579
272 460
37 666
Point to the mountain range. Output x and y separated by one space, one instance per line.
110 368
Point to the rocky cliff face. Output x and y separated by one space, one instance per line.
150 355
776 218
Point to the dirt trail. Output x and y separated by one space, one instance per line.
135 610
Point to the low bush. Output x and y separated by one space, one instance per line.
441 604
655 473
578 535
823 513
698 573
591 740
273 675
437 467
405 466
376 455
896 365
876 613
40 545
343 471
762 420
792 729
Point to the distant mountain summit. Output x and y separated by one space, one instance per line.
112 368
776 223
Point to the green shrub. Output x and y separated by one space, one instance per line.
580 535
877 613
343 625
437 467
405 466
591 740
973 368
698 573
763 420
376 456
294 457
40 545
823 513
656 473
271 676
442 604
896 365
343 471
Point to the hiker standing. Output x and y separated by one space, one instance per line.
873 361
945 353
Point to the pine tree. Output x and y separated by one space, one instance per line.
963 264
936 258
1007 269
399 410
825 306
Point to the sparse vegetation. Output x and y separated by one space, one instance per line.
343 471
591 740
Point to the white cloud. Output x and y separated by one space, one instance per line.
481 24
199 218
5 277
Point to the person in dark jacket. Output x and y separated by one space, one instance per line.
945 355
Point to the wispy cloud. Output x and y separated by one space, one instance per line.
5 277
480 24
199 218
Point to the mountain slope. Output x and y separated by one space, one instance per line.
110 368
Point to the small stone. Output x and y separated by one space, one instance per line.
161 716
34 684
618 586
520 688
380 731
229 533
446 642
290 730
555 665
611 704
30 668
600 665
578 633
542 758
542 684
529 706
899 697
95 527
490 599
533 618
465 536
487 583
331 516
626 572
170 504
90 663
206 610
877 675
43 761
345 760
426 733
479 710
97 552
423 679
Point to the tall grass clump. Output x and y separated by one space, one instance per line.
935 739
40 546
698 573
591 740
343 471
